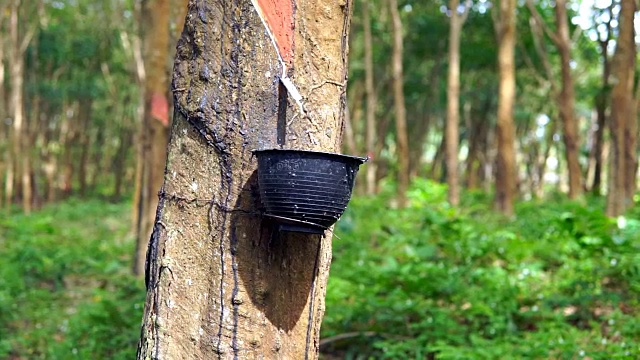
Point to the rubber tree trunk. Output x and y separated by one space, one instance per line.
631 148
631 141
371 99
453 104
221 282
353 112
601 103
623 69
19 162
566 102
598 147
4 150
154 131
402 139
505 25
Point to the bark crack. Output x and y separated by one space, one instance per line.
182 201
233 241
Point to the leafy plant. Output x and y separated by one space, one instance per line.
430 281
65 288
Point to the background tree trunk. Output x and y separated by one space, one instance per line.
566 96
222 283
371 100
16 70
601 105
453 101
4 130
602 100
631 140
621 111
506 161
402 141
566 102
154 131
352 115
20 161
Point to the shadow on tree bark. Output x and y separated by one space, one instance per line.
271 260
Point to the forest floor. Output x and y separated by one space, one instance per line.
561 281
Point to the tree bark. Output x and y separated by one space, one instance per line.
16 69
371 100
631 141
154 131
6 157
402 140
623 70
566 97
602 102
352 115
453 102
12 57
566 102
505 25
222 283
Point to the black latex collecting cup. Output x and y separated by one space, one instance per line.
305 191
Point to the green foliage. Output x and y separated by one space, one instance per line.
429 281
65 288
562 281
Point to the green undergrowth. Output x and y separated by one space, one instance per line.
65 285
562 281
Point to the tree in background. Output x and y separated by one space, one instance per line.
370 92
566 97
3 106
402 141
221 281
75 98
623 125
453 99
18 174
158 47
505 26
603 97
84 96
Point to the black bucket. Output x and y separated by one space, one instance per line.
305 191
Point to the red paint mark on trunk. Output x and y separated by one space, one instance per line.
278 14
160 108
